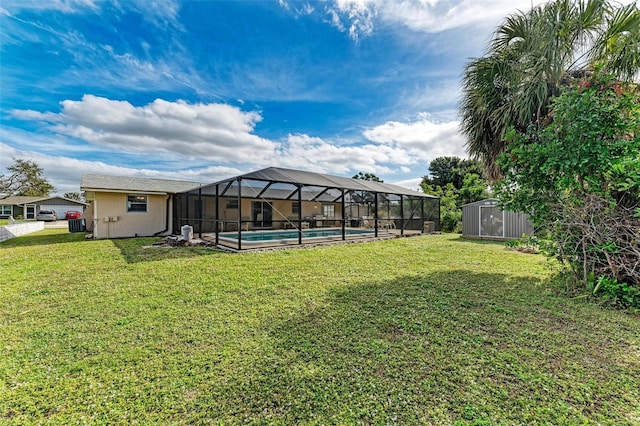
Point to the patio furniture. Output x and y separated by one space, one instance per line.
366 222
292 223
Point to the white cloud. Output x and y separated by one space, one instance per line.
413 183
283 4
162 13
65 6
216 132
180 137
359 14
305 9
316 154
65 173
430 16
423 138
159 12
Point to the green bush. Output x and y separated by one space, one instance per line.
619 293
578 173
525 243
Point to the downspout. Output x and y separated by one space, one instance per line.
96 223
166 222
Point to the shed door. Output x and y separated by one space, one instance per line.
491 222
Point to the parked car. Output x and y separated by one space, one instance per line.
47 216
72 214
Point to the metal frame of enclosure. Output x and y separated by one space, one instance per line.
280 207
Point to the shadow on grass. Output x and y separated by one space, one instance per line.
452 347
141 249
133 250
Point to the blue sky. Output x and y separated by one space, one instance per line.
204 90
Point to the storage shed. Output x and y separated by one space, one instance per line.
485 219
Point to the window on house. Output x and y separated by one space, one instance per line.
5 211
232 204
295 208
328 210
136 203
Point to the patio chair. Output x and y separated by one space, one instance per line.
386 224
246 223
291 222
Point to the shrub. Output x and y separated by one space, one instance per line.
578 173
619 293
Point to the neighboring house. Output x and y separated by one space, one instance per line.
29 207
484 219
130 207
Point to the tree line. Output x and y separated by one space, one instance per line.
26 178
456 182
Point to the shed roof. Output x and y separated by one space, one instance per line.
107 183
276 174
486 201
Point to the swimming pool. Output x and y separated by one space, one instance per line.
281 235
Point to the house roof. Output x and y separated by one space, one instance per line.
106 183
275 174
20 200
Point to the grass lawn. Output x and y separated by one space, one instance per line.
4 222
432 329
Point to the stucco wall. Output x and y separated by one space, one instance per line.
15 230
127 224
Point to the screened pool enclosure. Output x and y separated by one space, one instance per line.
276 207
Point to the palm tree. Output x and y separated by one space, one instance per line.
531 56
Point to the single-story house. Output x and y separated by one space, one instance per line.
29 207
485 219
130 207
268 207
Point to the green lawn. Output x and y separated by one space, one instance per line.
4 222
431 329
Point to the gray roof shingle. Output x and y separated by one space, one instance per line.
21 200
107 183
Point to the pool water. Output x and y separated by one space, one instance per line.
293 234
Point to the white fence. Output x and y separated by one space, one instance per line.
16 229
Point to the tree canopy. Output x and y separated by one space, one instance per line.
456 182
532 55
25 178
73 196
579 176
367 176
444 170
